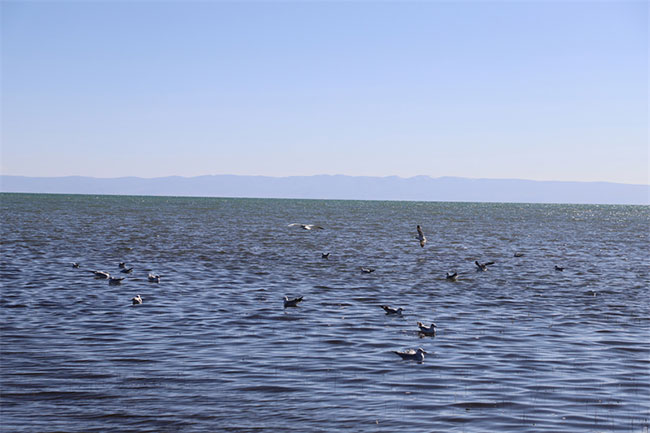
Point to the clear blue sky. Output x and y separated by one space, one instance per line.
530 90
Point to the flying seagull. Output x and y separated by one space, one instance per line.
414 355
452 277
391 310
421 237
101 274
482 266
367 270
306 226
326 255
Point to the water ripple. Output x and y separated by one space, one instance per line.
520 348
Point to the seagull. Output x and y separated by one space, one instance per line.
519 254
421 237
291 302
75 264
367 270
452 277
391 310
326 255
126 271
136 300
427 330
154 278
557 268
114 280
410 354
101 274
122 265
482 266
306 226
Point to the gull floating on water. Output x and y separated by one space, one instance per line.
126 271
75 264
101 274
391 310
306 226
452 277
367 270
482 266
291 302
136 300
427 330
421 237
414 355
115 280
122 265
153 278
326 255
558 268
519 254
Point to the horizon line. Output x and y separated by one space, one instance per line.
331 175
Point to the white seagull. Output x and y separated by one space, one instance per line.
427 330
391 310
136 300
414 355
101 274
306 226
114 280
421 237
153 278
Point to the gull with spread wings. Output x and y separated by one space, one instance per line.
421 237
306 226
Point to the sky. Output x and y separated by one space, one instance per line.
509 89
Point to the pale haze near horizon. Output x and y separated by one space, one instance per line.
542 91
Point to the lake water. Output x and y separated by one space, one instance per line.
520 348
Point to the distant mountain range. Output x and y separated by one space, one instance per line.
422 188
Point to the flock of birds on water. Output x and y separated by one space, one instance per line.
113 281
409 354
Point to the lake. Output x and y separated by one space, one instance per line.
522 347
